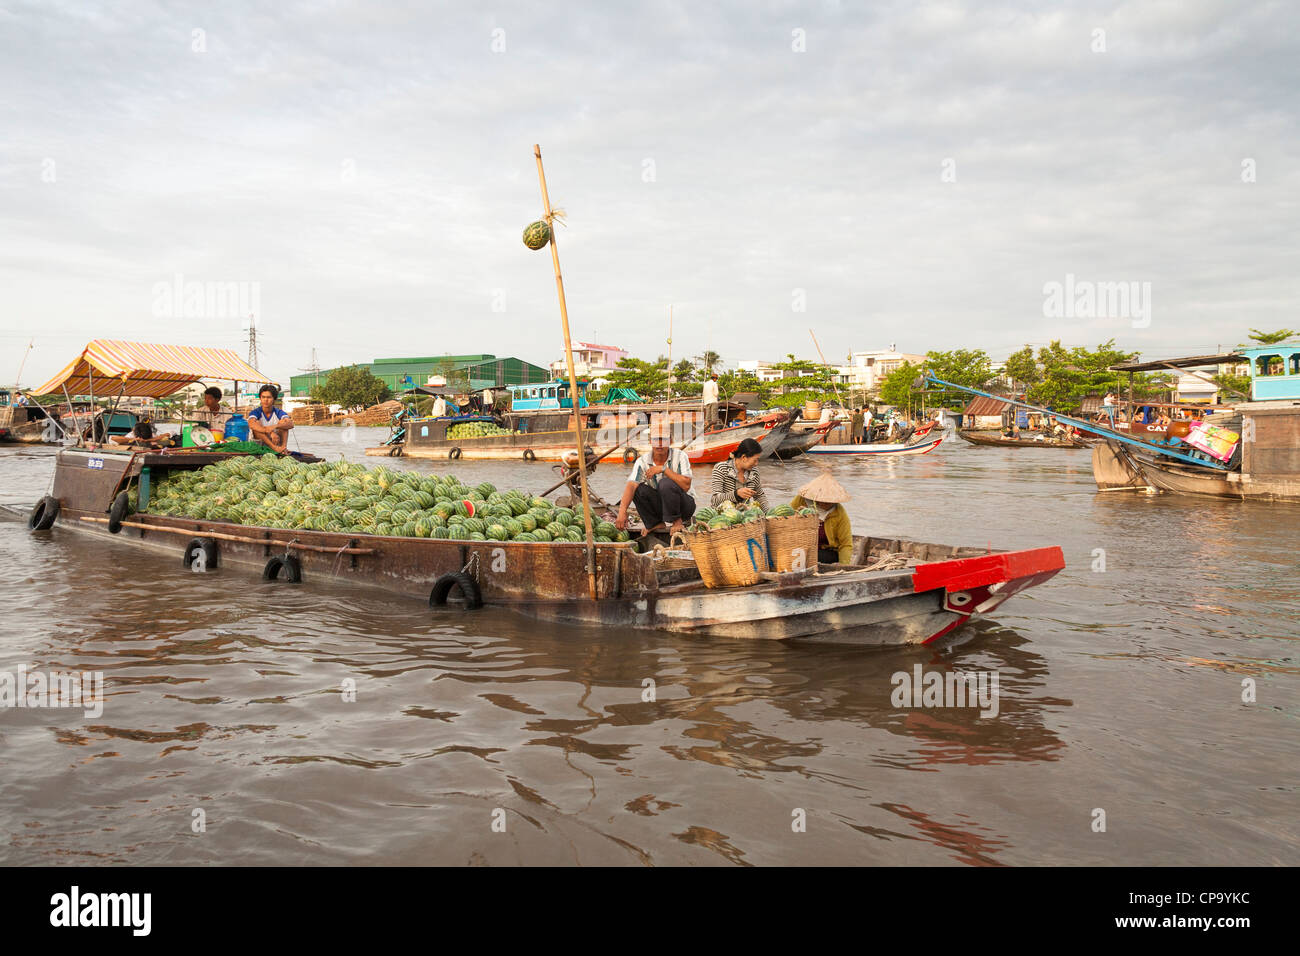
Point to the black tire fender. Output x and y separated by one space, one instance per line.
283 562
117 513
530 455
44 512
629 455
454 454
200 554
456 579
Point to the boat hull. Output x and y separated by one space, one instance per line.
977 438
868 451
800 438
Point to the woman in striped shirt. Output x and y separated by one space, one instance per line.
736 479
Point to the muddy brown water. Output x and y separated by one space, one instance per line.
490 738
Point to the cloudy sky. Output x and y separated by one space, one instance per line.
908 173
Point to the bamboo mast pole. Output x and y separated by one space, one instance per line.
573 381
833 382
670 355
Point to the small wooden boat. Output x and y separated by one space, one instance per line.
895 591
427 439
802 436
995 438
923 447
26 424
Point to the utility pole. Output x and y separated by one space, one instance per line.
314 368
252 340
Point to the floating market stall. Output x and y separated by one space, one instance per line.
436 539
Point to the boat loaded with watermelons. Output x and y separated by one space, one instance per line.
437 539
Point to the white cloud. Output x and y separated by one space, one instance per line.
371 166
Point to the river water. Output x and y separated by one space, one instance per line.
488 738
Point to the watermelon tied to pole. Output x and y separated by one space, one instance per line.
537 235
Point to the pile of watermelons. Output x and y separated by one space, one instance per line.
345 497
477 430
730 515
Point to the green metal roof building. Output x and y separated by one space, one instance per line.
476 371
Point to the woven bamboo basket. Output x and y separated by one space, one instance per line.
731 557
792 543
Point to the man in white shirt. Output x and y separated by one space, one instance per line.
1108 407
439 407
660 487
710 397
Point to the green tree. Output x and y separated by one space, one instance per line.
1270 338
1022 368
729 383
684 371
969 367
1069 375
708 361
896 387
649 379
803 375
1238 385
351 387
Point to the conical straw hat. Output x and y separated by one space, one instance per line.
824 488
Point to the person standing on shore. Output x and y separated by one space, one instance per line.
710 398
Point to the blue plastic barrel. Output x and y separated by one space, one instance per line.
236 428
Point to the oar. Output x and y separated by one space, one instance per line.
611 450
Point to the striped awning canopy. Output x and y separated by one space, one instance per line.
146 370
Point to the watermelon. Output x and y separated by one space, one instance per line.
537 234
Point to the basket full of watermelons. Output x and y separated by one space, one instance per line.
729 545
791 538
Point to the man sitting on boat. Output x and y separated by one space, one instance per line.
213 414
660 487
736 479
268 424
834 532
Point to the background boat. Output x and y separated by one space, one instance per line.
994 438
923 447
802 436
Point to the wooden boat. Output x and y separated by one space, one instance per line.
994 438
802 436
896 591
922 447
1120 467
427 438
26 424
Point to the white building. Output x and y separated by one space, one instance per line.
590 361
866 370
763 371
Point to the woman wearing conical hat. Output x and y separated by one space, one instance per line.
834 534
